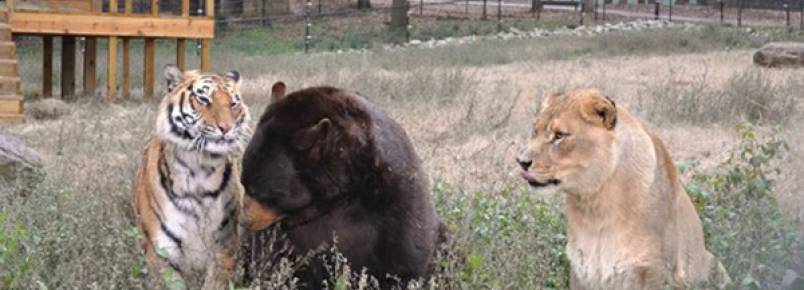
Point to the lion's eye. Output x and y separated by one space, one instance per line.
557 136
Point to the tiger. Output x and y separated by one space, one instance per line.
187 190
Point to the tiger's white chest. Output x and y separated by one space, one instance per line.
200 202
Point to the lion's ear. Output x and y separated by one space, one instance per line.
305 138
278 92
599 109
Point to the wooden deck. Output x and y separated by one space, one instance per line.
68 20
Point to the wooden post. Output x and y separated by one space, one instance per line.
180 43
206 44
68 68
111 69
125 86
111 60
149 68
47 66
150 49
90 54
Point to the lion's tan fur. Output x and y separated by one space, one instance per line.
631 224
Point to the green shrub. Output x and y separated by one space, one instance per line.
743 224
15 264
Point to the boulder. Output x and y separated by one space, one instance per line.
20 167
778 54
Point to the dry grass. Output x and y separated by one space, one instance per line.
467 110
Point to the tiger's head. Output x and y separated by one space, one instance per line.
203 111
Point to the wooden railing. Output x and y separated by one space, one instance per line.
113 25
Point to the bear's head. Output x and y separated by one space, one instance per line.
307 152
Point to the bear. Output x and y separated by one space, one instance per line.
333 170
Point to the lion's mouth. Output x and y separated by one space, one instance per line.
535 182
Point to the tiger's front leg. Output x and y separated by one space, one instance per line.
220 271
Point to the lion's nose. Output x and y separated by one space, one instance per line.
524 163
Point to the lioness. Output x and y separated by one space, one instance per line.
631 224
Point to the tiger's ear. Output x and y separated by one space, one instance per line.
233 76
173 76
305 138
597 108
278 92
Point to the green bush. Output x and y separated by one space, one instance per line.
743 224
15 264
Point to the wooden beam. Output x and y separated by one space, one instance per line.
206 55
149 68
68 68
90 53
128 7
155 7
113 7
111 72
47 66
95 24
125 86
181 61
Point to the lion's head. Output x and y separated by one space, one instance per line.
572 143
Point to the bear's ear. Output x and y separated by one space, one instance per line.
599 109
305 138
278 92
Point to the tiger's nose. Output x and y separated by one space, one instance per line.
524 163
225 128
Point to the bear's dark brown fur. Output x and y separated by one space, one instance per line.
333 166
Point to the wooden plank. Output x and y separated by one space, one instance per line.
111 66
125 86
185 8
90 64
113 6
128 6
206 55
9 85
8 67
11 106
181 60
47 66
210 8
7 48
68 68
5 32
150 48
93 24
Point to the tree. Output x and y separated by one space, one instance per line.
399 20
363 4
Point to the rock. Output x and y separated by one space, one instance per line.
777 54
792 281
20 167
47 109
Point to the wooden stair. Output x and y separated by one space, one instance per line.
12 109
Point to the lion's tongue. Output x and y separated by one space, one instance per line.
527 176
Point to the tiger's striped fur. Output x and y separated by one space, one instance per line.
187 191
